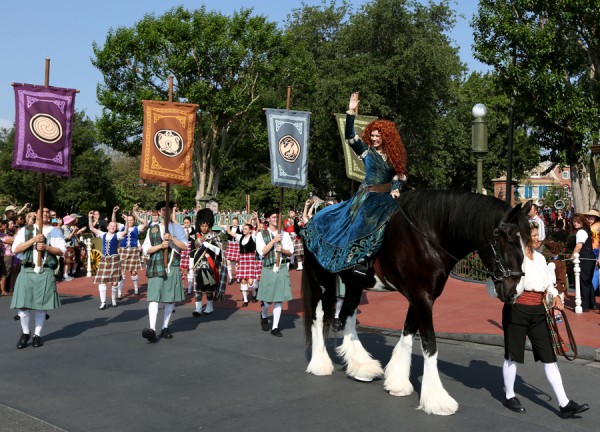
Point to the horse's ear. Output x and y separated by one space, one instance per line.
513 213
527 207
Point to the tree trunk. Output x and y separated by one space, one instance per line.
584 194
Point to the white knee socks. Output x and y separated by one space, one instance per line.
40 318
245 292
509 373
276 314
167 317
229 273
120 286
555 380
24 318
152 314
102 291
114 294
134 279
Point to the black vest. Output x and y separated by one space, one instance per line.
249 247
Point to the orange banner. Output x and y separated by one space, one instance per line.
168 142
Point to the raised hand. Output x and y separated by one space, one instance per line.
353 104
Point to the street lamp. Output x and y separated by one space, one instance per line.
479 144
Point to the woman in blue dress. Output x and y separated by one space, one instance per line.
347 234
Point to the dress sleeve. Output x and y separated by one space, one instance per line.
352 139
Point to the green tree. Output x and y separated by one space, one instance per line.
546 55
88 187
221 63
396 53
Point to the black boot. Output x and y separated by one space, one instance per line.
264 323
23 341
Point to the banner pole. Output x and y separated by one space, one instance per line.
42 178
280 223
167 193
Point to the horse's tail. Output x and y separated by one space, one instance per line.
307 294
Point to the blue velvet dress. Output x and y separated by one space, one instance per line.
343 235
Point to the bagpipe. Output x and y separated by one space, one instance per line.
201 250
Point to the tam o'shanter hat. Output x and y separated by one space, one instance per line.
592 212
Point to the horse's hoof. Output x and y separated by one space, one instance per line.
362 379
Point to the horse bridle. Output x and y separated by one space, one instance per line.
500 271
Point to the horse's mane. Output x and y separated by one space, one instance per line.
458 214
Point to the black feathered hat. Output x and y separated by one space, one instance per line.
205 216
161 204
271 212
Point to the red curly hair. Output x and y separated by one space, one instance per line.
392 143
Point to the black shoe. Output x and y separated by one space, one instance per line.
23 341
37 342
245 304
276 332
337 325
196 314
149 334
573 408
102 306
230 282
165 333
254 300
120 298
361 269
264 324
514 404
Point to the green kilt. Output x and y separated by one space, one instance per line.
166 289
35 291
274 287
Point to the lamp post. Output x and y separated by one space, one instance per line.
479 144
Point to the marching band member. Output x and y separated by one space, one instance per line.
233 248
35 289
207 256
164 283
129 252
246 267
109 268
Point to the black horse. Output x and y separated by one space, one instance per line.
424 239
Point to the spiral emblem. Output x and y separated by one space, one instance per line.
46 128
168 142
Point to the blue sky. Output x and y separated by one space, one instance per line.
64 30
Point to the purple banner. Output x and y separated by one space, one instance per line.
43 129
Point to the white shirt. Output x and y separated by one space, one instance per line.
175 230
537 275
54 235
581 236
286 241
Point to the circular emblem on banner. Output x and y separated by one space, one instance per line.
168 142
45 128
289 148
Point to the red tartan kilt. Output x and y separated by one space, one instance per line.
130 259
69 255
298 246
233 251
246 267
184 263
109 270
258 268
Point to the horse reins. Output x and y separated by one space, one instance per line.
557 340
497 260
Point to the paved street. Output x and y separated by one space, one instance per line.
222 373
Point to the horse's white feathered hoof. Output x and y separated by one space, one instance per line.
320 368
399 389
367 370
438 404
363 379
